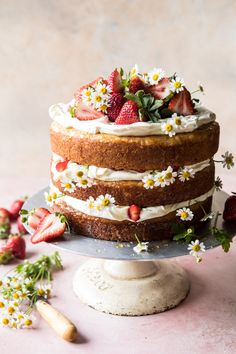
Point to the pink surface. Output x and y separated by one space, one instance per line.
204 322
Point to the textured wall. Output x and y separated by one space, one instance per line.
49 48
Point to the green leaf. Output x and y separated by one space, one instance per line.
223 237
24 212
181 234
166 113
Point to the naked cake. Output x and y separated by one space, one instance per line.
132 154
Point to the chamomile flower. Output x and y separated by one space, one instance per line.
50 197
177 121
155 75
97 99
177 84
103 108
28 321
68 187
66 176
141 246
185 214
105 200
90 202
186 173
169 175
103 89
5 320
134 71
148 181
228 160
196 249
218 184
2 304
168 128
84 182
44 290
87 95
160 180
15 323
78 171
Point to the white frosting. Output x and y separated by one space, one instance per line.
107 174
59 113
120 213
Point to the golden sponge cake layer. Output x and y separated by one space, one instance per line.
135 153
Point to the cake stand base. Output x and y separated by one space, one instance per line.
133 288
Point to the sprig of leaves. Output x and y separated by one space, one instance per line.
221 235
182 234
41 269
148 105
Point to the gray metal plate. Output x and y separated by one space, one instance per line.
90 247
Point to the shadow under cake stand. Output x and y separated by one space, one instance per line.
118 281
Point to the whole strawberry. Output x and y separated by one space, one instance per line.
128 113
116 102
16 244
229 213
15 208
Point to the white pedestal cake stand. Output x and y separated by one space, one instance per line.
118 281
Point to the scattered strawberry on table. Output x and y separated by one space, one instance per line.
229 213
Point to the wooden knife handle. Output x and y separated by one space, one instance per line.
61 324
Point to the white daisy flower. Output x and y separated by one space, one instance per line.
196 249
185 214
28 321
177 84
103 89
185 174
44 290
141 247
155 75
160 180
103 108
228 160
169 175
90 202
78 171
168 128
134 71
145 78
97 99
84 182
87 94
148 181
68 187
48 198
105 200
66 176
177 121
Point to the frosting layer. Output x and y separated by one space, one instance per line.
59 113
120 213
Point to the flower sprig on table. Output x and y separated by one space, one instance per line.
20 290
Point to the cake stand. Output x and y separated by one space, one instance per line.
118 281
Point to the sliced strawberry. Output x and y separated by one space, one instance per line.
16 244
15 208
128 114
78 93
62 165
181 103
115 82
49 228
134 212
136 84
20 226
84 112
35 217
116 101
160 90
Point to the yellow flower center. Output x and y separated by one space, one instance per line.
98 98
161 179
87 93
0 283
228 160
49 198
103 107
186 174
79 174
150 182
15 304
41 292
169 127
23 295
16 296
28 322
18 287
177 84
98 207
155 77
68 185
177 121
90 205
20 316
103 90
196 248
105 202
1 304
84 182
14 325
5 321
168 175
184 214
11 310
54 195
